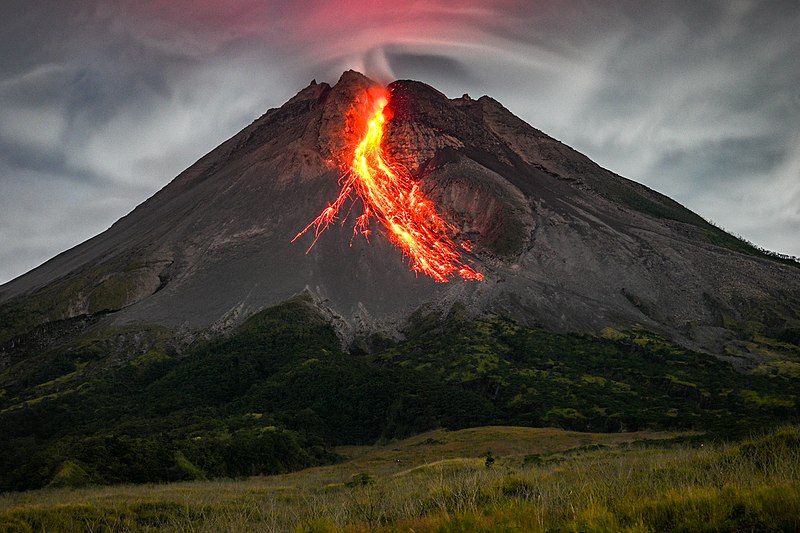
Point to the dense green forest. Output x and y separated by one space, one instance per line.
280 391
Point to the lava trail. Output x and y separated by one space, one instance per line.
390 194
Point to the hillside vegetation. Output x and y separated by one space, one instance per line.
544 480
279 392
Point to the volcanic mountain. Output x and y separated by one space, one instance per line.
367 263
558 241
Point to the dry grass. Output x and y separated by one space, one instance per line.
442 484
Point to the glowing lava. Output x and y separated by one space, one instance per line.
390 194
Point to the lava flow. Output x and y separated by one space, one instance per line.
390 194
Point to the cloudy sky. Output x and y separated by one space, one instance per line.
102 102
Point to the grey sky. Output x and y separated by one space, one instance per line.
102 103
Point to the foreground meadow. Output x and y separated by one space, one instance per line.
533 480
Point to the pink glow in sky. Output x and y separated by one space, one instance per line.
345 34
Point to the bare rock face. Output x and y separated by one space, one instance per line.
561 242
333 131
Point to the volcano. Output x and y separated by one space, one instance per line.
366 263
553 239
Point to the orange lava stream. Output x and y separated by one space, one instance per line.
390 194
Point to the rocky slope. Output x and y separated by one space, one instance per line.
561 242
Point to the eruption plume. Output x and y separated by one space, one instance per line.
389 193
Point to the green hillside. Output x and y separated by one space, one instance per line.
279 392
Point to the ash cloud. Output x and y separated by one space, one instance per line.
102 103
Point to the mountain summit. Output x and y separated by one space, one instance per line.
559 241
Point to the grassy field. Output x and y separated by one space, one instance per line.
540 480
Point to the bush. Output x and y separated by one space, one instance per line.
70 474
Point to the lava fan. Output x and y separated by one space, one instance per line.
389 193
